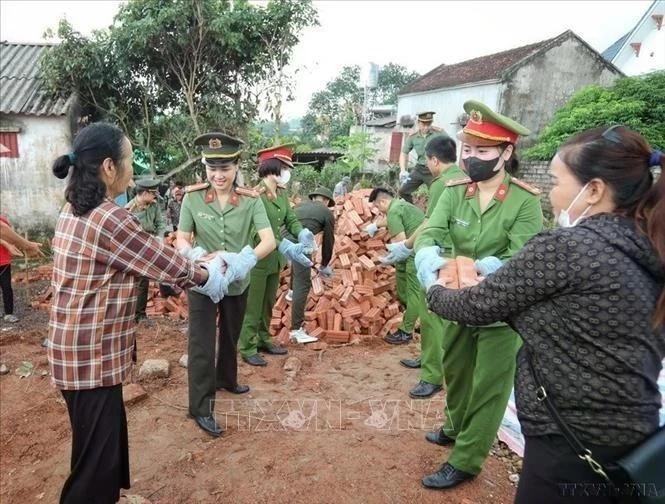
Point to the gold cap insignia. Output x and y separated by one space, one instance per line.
215 143
476 117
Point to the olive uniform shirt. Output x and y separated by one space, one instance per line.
418 142
511 219
279 212
228 229
403 216
150 217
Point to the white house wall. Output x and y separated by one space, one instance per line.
30 195
652 50
447 103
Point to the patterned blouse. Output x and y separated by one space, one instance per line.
582 298
96 259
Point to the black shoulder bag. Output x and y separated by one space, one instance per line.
638 477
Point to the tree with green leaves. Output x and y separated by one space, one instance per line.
168 70
636 102
338 106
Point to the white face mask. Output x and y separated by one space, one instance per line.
563 219
284 177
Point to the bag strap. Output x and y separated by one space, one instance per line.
542 396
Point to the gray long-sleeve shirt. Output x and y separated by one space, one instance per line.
583 300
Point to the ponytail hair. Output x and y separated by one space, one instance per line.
85 188
623 159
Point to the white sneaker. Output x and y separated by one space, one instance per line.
12 319
289 297
300 336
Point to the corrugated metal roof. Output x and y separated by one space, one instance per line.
21 91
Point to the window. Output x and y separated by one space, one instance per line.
8 144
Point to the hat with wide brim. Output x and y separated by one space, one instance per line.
219 149
325 192
486 127
283 153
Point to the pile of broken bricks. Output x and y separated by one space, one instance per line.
359 301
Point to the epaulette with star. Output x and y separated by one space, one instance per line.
247 191
525 186
459 181
197 187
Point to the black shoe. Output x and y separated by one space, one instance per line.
208 424
438 437
238 389
398 338
411 363
446 477
273 349
255 360
424 389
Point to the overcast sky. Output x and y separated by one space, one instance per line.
417 34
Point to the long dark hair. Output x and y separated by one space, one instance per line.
622 159
94 143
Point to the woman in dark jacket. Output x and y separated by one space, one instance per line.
587 298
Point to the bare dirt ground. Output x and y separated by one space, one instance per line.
340 429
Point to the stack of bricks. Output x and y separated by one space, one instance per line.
359 301
43 272
459 273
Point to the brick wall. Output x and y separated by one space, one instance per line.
537 173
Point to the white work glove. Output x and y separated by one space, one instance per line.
326 272
428 263
238 265
295 252
193 254
306 237
372 229
397 252
488 265
217 286
403 177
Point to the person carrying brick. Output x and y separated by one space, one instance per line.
316 216
441 157
275 171
488 216
402 220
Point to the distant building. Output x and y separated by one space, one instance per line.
34 130
642 49
527 83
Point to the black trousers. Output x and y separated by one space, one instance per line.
142 285
553 474
100 449
301 283
6 286
211 323
419 175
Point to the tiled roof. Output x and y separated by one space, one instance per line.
484 68
21 91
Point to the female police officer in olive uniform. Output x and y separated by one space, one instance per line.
217 216
275 172
488 216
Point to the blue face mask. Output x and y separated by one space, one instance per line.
563 219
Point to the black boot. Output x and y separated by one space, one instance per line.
410 363
438 437
446 477
255 360
423 390
398 338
